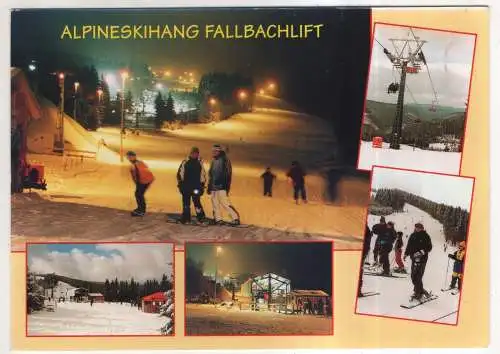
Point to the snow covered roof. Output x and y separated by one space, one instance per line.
309 293
158 296
96 295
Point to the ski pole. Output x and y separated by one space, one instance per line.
446 276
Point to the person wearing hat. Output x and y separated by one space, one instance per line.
458 266
418 247
142 177
191 179
219 185
378 230
386 241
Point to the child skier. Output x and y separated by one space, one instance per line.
398 251
268 177
142 177
458 265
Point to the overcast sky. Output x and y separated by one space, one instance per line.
450 190
448 55
101 261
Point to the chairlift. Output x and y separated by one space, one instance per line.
433 107
393 87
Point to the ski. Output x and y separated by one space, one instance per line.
448 289
415 303
369 293
192 223
384 275
456 292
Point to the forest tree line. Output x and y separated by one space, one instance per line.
132 290
455 220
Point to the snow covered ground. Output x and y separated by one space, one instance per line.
408 157
90 200
394 292
208 320
72 318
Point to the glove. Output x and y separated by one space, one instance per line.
451 256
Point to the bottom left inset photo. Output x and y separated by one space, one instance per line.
99 289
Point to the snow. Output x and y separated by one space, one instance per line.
395 292
95 197
208 320
72 318
408 157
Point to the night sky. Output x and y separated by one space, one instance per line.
307 265
324 77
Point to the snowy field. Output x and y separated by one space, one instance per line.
71 318
92 200
208 320
395 292
408 157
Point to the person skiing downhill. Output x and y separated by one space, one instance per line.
458 266
418 247
142 177
386 241
268 177
219 185
398 251
191 179
297 175
378 230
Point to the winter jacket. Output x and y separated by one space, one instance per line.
419 242
387 238
220 173
379 229
191 175
367 241
141 173
297 175
458 257
268 178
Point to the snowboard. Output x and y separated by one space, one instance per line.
369 293
384 275
415 303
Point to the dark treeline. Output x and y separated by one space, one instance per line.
455 220
132 290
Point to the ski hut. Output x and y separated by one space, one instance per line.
96 297
151 303
78 294
269 292
24 108
315 301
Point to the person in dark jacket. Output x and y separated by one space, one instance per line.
297 175
219 185
418 247
366 249
398 251
458 266
386 241
268 177
191 179
378 230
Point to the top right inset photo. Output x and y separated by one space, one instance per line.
417 98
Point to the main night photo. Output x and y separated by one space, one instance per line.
187 124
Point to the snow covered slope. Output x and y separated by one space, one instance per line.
408 157
396 291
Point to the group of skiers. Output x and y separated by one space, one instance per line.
192 179
418 247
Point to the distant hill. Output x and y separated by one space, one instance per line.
381 114
92 286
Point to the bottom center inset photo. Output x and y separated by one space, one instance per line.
259 288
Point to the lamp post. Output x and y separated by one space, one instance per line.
218 250
124 76
77 84
59 141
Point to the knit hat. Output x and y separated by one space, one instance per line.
131 153
419 225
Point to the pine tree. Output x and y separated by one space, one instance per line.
160 111
169 109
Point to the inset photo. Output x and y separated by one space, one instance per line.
416 99
259 288
105 289
415 246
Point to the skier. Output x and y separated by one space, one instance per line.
366 249
418 247
378 230
386 240
91 301
219 184
142 177
398 251
191 179
458 266
297 175
268 178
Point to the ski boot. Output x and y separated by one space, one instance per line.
136 213
234 222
